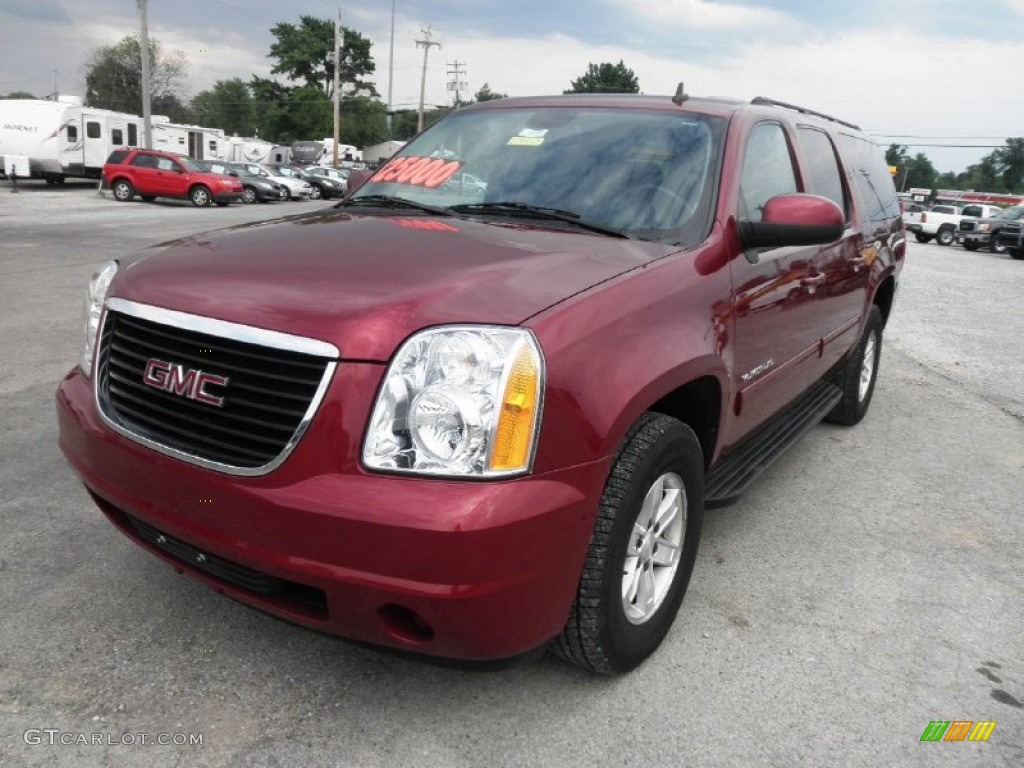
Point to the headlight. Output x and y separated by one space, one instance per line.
459 400
99 285
984 227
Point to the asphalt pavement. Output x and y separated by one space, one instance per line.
870 583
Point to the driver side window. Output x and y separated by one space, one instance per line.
767 170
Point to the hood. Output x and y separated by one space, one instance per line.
366 282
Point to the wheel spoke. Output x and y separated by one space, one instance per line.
669 508
647 590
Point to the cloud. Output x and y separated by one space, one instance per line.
43 10
704 14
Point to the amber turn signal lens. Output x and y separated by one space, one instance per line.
518 413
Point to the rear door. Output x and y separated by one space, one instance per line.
777 313
142 172
844 263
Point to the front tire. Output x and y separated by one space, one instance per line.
993 244
248 195
858 375
123 191
200 196
642 549
945 237
316 193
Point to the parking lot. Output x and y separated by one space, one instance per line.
872 582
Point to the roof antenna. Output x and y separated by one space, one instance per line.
680 96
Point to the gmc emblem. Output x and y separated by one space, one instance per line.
190 383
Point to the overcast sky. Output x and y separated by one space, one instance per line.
911 71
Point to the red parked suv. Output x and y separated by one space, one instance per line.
151 174
478 425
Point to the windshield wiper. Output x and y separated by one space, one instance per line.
387 201
538 212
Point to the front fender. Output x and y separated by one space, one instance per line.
617 349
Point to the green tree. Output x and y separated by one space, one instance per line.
486 94
228 105
896 155
19 95
1009 164
364 122
113 78
606 78
404 121
304 52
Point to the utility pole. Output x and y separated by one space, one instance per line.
457 79
337 89
147 116
56 90
391 66
426 43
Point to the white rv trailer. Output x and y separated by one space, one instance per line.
62 139
348 155
197 142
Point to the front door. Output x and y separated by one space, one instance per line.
195 145
778 315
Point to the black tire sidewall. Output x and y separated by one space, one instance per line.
675 451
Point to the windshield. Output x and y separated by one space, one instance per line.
1010 213
647 174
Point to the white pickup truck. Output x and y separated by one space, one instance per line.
942 221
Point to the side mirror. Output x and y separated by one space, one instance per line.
798 219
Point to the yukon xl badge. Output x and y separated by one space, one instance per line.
184 382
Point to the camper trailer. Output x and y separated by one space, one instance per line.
63 138
242 150
197 142
348 155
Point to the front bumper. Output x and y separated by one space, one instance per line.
978 238
459 569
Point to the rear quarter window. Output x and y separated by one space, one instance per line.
871 179
117 156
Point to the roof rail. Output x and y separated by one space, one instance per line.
804 110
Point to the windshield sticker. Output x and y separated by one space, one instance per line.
426 172
528 137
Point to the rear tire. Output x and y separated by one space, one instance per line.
922 238
969 246
200 196
945 237
858 375
123 191
642 549
1015 253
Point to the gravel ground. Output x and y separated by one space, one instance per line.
869 584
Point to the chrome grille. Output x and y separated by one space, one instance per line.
270 395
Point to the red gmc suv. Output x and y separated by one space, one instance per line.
151 174
477 425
